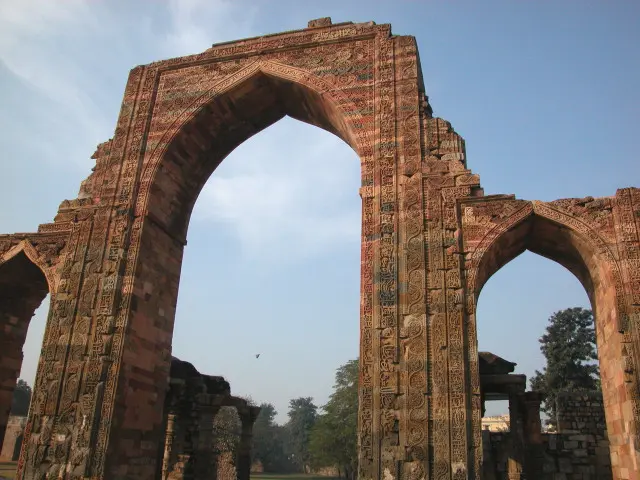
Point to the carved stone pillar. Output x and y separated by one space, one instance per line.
169 445
248 416
181 440
205 467
531 413
515 470
534 448
179 451
189 455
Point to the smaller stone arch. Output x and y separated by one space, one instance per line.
570 241
26 247
25 281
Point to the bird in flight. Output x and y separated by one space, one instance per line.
257 355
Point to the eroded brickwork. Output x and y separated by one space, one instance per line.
430 240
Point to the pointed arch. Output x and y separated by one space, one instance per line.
24 283
26 247
561 237
591 244
347 122
175 168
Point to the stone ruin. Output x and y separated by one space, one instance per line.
190 449
191 404
431 238
13 439
578 450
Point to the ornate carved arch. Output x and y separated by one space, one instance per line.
599 246
38 260
489 239
618 357
544 210
362 143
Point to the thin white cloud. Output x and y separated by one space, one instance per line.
197 24
26 48
37 17
290 192
74 52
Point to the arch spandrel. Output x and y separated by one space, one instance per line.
165 126
482 224
320 67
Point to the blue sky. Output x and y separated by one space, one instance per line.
545 94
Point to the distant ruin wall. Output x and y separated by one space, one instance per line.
581 413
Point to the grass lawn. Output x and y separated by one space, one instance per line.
288 476
7 469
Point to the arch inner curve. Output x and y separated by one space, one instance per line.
259 98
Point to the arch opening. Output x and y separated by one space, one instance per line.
178 175
269 296
281 272
563 245
23 287
548 239
513 312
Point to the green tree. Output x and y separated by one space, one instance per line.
334 436
569 347
226 430
21 399
302 417
269 440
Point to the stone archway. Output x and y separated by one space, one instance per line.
496 230
102 377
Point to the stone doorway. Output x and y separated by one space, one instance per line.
430 239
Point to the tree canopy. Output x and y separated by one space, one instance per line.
270 441
311 439
21 399
302 417
333 439
569 347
